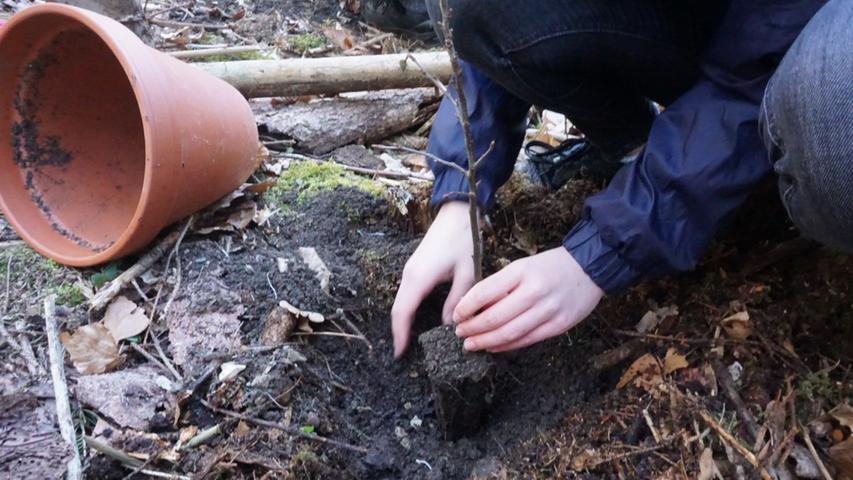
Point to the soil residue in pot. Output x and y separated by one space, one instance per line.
462 382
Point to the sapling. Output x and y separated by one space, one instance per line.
461 382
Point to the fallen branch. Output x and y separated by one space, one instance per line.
108 293
226 51
327 76
292 431
813 452
733 442
60 388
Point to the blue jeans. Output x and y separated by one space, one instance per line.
807 126
599 62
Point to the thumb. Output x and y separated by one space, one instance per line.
463 280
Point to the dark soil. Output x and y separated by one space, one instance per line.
346 389
462 382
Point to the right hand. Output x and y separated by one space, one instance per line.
445 254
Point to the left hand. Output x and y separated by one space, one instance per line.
530 300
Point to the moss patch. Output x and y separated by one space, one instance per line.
310 178
69 295
304 42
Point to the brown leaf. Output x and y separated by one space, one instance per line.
738 326
92 349
842 458
674 361
124 319
646 370
708 469
339 37
279 323
843 414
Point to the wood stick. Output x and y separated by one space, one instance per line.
734 443
108 293
290 430
813 452
328 76
60 387
188 54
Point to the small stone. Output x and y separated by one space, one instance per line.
407 405
416 422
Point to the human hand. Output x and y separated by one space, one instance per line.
445 254
530 300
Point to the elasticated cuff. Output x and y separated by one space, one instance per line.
601 262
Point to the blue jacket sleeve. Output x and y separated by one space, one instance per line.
495 115
702 158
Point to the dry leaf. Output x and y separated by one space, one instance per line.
279 323
738 326
229 370
125 319
646 370
708 469
187 434
312 317
340 37
263 215
92 349
244 216
843 414
315 263
674 361
842 458
648 322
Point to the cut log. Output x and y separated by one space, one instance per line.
322 125
330 75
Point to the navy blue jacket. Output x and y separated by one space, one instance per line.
703 155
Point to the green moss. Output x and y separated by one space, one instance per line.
304 42
69 295
254 55
817 385
310 178
25 262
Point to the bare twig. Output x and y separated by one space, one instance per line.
462 113
328 334
174 24
728 386
401 148
289 430
226 51
733 442
813 452
60 387
369 42
136 348
203 437
106 294
176 253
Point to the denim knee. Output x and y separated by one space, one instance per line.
807 125
476 38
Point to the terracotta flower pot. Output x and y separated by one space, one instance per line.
105 141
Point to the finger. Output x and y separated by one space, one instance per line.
487 292
413 289
509 332
463 280
538 334
496 315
